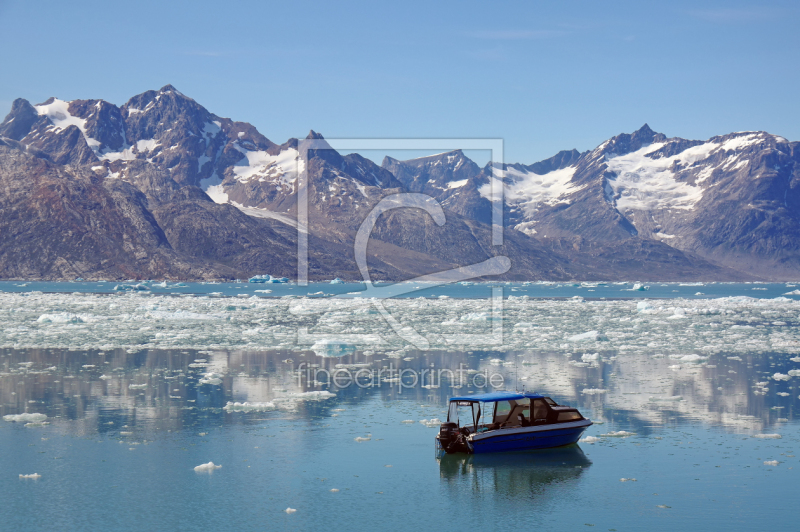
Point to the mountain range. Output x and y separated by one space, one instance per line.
162 188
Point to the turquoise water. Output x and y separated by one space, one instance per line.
458 290
113 457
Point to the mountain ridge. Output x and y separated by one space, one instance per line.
186 167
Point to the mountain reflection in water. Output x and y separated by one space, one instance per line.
171 389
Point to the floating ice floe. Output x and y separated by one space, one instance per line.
283 402
26 417
334 490
593 391
362 438
333 348
781 377
290 510
207 468
589 439
627 480
407 421
590 336
618 434
61 317
768 436
249 407
131 287
34 476
433 422
771 462
211 378
182 323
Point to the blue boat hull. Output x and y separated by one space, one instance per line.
541 439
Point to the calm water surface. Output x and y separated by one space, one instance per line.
125 430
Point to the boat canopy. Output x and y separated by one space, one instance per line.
494 397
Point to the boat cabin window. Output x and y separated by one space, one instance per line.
464 413
550 401
513 413
569 416
501 411
539 411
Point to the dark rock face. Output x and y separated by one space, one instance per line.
162 188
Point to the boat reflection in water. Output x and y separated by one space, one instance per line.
516 474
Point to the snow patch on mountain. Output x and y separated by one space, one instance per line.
258 212
216 193
528 190
281 169
58 113
646 183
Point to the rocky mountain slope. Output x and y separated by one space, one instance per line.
733 199
162 188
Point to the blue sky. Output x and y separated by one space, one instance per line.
544 76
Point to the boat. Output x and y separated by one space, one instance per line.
508 421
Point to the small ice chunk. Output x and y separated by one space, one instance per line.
334 490
407 421
290 510
206 468
768 436
589 439
211 378
433 422
593 391
618 434
26 417
781 377
34 476
362 438
771 462
249 407
584 337
627 480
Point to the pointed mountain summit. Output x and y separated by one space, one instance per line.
214 197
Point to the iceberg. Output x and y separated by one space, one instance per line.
207 468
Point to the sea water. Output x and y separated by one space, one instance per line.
316 413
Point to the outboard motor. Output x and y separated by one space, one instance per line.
448 432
